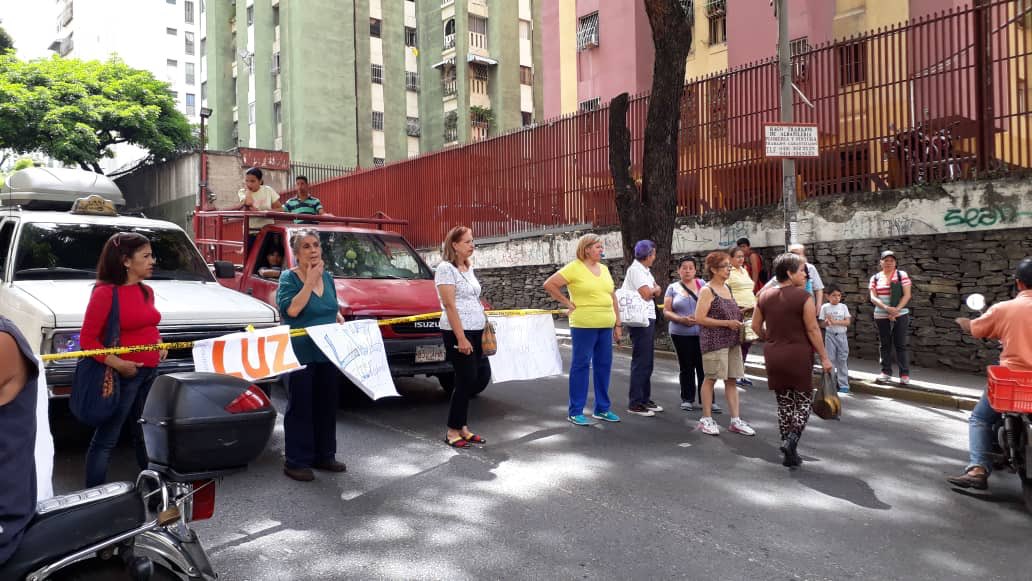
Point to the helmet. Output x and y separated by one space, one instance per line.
1023 272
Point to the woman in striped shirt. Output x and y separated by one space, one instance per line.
890 294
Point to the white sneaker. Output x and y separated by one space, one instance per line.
739 426
708 426
653 406
687 406
883 378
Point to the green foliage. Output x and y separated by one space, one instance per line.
23 163
5 40
74 111
481 114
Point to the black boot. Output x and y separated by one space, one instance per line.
788 448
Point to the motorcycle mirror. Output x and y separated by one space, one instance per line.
975 302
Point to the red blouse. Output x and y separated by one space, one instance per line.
137 316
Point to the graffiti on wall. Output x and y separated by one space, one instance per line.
982 217
730 234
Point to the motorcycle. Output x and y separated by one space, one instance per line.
197 428
1010 393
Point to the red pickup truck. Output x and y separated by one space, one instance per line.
376 272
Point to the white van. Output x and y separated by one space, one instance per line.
48 260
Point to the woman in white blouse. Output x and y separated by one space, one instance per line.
462 325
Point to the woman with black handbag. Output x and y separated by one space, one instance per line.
121 312
463 324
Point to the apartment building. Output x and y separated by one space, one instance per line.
367 82
161 36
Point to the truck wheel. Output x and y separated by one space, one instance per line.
1026 489
447 381
485 377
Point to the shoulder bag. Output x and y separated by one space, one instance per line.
95 387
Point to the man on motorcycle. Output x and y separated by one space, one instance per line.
18 394
1011 323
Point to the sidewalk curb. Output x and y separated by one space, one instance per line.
856 385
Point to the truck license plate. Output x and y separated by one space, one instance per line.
429 353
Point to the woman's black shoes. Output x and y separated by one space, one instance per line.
788 448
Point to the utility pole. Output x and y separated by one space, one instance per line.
788 169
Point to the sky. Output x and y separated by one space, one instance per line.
32 25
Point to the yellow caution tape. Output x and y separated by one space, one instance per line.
293 333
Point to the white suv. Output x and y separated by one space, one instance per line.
48 265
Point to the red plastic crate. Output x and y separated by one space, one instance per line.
1009 390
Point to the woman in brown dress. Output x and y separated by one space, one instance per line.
786 318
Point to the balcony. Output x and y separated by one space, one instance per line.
447 3
449 41
449 88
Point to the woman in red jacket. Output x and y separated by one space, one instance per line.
125 262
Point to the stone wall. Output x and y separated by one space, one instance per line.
945 269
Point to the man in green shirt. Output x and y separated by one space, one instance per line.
304 202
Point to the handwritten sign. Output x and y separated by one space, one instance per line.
356 348
248 355
790 140
527 349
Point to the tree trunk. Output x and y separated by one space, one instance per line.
650 213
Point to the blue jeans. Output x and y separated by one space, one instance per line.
980 434
643 352
133 394
592 349
310 423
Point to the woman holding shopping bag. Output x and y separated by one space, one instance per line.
640 280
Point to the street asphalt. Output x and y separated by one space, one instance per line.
646 498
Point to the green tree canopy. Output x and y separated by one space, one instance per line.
5 40
74 111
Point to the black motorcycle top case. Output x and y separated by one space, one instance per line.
188 431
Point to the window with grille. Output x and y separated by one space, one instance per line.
852 63
377 74
378 120
204 47
526 76
171 31
204 91
797 50
374 27
410 36
250 15
191 104
525 30
716 13
590 104
188 41
190 75
587 31
411 81
527 118
275 15
477 25
275 63
378 162
188 13
412 126
480 72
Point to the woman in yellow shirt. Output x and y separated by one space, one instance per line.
594 325
742 290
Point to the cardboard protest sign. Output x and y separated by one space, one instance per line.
527 348
356 348
248 355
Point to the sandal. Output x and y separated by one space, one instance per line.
474 439
459 442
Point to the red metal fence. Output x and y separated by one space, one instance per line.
939 98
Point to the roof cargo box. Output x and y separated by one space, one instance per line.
46 188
